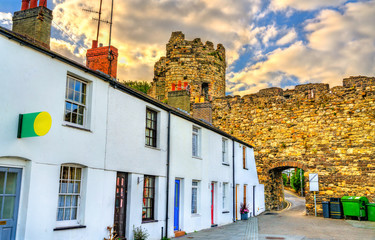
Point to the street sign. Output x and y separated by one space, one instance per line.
314 182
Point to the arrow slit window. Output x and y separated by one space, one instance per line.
75 101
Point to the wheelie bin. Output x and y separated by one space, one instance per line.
355 206
335 208
325 205
371 212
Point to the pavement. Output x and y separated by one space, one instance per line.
289 224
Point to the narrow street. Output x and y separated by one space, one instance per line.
289 224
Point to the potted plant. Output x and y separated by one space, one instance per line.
244 211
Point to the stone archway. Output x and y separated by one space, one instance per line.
274 190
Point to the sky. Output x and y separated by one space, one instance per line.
269 43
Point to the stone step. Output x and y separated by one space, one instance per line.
179 233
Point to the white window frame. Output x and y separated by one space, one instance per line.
77 221
196 131
225 195
224 151
85 122
197 187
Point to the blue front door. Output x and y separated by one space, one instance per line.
176 204
10 184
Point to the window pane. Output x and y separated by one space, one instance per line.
74 117
80 120
70 94
61 201
84 88
68 116
64 186
81 110
60 214
71 83
8 207
74 201
77 86
72 174
65 172
67 214
68 201
74 214
77 187
78 173
1 205
2 179
70 187
68 106
77 96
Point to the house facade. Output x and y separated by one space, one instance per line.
80 152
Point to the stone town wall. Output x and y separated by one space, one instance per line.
192 63
326 131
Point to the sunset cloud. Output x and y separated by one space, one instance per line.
276 43
338 45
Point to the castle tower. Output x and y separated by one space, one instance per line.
34 21
190 65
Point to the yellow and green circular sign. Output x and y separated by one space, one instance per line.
34 124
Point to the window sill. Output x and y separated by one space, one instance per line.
226 164
225 212
68 227
195 215
76 127
149 221
199 158
155 148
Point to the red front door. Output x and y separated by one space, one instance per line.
212 203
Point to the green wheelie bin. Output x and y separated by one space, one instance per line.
354 206
371 212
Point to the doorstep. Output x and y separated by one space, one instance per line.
179 233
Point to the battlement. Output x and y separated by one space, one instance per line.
353 87
191 63
360 82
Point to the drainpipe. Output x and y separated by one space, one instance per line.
168 158
234 186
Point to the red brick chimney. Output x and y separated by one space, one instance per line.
97 58
34 22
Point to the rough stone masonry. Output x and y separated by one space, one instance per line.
321 130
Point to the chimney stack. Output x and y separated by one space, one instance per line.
34 22
97 58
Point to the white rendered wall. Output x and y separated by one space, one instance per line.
206 169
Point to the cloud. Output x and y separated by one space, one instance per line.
303 4
337 45
6 19
141 28
287 38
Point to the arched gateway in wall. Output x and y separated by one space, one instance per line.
274 191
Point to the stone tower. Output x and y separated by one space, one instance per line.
190 65
34 21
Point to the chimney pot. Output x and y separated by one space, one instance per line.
42 3
94 43
25 5
33 3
